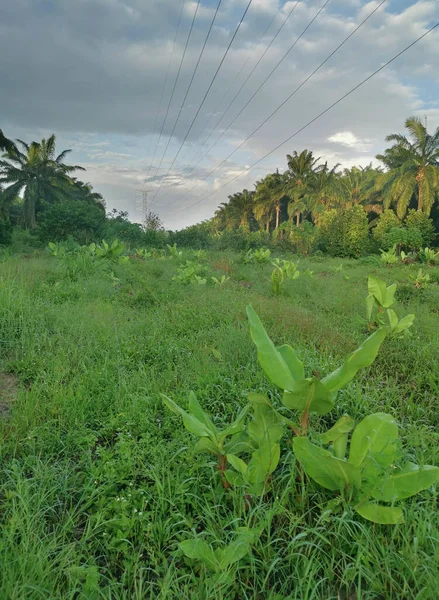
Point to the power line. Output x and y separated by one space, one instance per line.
330 107
244 83
206 94
288 97
175 84
192 78
163 90
250 100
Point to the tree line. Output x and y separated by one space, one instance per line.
308 207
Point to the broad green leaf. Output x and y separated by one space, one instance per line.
386 515
404 323
238 424
377 288
294 364
393 319
270 359
200 550
234 478
373 443
205 444
344 425
370 303
192 424
408 482
311 393
266 423
196 410
238 464
330 472
263 462
390 296
338 435
239 548
361 358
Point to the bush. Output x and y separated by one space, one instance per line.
385 222
80 220
344 233
5 232
403 239
422 223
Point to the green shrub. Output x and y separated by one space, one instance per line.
344 233
422 223
5 232
79 220
385 222
403 239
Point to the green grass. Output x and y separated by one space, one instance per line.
98 481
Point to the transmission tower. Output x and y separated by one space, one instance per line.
143 203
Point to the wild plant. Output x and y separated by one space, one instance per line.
429 256
283 270
369 478
142 253
389 257
261 255
219 560
189 273
56 249
421 279
221 281
112 252
174 252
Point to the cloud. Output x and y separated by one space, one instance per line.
99 67
350 140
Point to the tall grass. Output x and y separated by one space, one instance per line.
99 483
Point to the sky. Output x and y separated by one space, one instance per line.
112 80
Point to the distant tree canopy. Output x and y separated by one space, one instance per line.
309 206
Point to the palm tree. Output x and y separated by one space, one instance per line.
300 168
5 144
40 173
358 186
321 190
270 192
413 169
240 209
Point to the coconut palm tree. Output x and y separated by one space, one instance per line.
38 171
270 192
358 186
5 144
413 169
301 167
240 209
321 190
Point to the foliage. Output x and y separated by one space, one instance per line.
429 256
385 222
421 222
389 257
261 255
344 232
42 175
403 238
113 251
190 273
174 252
81 220
368 476
224 279
5 232
413 171
283 270
421 279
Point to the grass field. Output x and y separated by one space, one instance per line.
99 484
